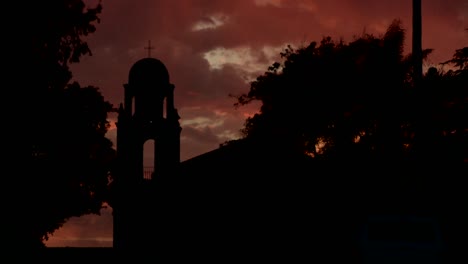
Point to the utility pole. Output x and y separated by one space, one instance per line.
422 127
417 43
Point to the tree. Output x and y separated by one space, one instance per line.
446 96
445 144
340 96
71 157
357 101
355 106
55 33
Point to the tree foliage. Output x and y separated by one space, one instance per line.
56 33
381 141
71 156
446 102
354 101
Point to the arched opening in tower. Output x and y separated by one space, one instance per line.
148 159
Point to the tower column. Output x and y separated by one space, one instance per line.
140 119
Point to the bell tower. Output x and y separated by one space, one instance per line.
147 113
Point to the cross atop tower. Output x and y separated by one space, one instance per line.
149 48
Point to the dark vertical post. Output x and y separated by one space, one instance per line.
421 140
417 43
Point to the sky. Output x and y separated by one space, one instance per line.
213 49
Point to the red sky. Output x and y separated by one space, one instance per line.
214 48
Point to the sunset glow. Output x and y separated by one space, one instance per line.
213 49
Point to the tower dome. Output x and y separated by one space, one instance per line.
148 73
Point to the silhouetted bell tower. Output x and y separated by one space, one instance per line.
148 113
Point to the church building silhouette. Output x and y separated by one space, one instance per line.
246 200
212 201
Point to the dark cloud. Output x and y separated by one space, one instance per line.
197 139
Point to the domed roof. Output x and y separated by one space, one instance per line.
147 72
